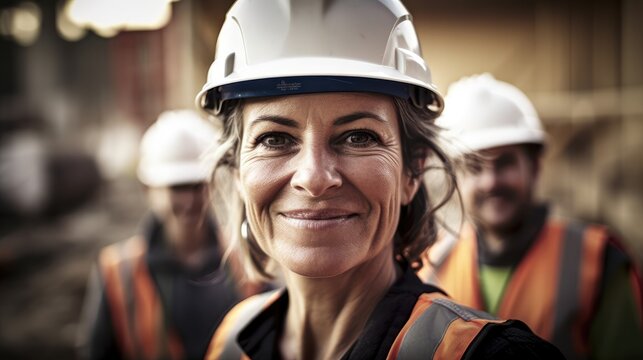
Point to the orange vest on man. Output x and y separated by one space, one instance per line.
554 288
140 323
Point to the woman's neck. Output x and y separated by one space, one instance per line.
326 316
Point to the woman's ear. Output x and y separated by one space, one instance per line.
412 179
237 184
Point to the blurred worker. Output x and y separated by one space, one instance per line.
160 294
569 281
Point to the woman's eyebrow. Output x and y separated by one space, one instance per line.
345 119
356 116
275 119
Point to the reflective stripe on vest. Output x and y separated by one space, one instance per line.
553 289
569 291
136 309
224 344
437 329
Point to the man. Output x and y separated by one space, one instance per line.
161 294
569 281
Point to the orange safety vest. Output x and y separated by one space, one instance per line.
437 329
142 330
553 289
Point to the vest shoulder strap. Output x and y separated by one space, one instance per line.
581 268
116 263
136 309
224 343
439 328
115 255
436 256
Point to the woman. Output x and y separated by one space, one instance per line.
327 111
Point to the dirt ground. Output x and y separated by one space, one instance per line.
44 265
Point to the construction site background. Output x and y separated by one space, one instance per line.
73 106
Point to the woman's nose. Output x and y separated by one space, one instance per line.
316 171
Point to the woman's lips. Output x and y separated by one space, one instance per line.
317 219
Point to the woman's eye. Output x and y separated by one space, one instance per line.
361 138
275 141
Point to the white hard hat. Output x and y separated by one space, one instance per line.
283 47
172 149
482 112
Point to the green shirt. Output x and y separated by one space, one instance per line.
493 280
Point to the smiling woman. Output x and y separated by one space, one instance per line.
335 182
326 142
362 130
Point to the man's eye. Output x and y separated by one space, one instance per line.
474 167
505 161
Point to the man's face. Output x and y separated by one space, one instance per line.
184 205
497 189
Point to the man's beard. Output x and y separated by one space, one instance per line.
519 206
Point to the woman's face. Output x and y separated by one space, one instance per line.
322 179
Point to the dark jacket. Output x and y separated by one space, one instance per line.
192 302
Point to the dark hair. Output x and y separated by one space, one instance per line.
534 152
416 229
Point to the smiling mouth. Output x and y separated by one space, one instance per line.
317 220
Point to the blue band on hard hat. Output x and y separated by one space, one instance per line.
311 84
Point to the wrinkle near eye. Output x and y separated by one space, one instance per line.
391 158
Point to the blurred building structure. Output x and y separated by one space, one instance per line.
73 91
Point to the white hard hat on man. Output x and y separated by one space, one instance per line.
482 112
172 149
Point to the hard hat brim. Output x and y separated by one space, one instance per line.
173 174
493 138
313 75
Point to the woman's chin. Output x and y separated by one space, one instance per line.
316 265
320 274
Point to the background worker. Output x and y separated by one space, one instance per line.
569 281
161 293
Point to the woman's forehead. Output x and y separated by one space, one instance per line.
320 104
